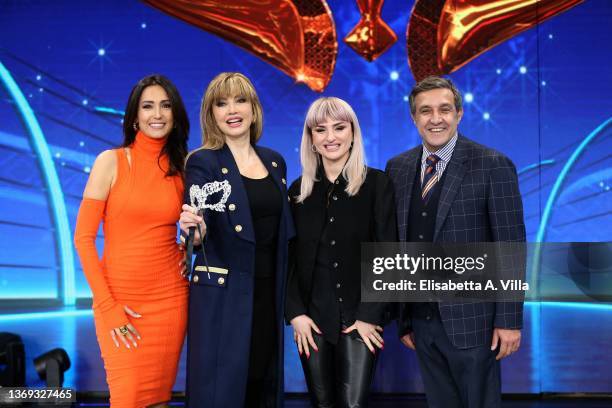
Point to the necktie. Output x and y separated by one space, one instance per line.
430 177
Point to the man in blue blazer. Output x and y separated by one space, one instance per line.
451 189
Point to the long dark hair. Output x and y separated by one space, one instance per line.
176 145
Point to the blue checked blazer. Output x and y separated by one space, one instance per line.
479 202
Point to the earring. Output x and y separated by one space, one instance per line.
135 126
313 148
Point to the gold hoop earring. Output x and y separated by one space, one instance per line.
313 148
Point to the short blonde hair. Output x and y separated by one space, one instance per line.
335 109
225 85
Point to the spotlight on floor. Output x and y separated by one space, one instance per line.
12 361
51 366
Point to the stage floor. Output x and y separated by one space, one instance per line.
399 401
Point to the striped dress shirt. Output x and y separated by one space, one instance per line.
444 154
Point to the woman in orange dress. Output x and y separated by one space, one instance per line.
139 296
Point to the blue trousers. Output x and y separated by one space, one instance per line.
453 378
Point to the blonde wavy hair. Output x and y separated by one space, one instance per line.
354 171
225 85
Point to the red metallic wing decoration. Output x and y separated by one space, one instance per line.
444 35
296 36
371 36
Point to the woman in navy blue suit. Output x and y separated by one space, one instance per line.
235 326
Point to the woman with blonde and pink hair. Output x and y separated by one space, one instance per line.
337 204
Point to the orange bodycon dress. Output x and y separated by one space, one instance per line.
139 269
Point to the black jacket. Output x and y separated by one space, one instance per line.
369 216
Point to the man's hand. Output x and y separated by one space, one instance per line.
509 341
408 340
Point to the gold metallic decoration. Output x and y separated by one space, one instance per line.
274 164
296 36
123 330
444 35
232 207
371 36
195 278
215 269
238 228
224 170
221 280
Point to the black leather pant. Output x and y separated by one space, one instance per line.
339 375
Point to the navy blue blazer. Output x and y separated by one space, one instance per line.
221 302
479 202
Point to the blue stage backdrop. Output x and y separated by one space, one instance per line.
66 67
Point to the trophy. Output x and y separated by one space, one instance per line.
198 197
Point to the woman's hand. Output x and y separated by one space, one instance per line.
127 333
302 333
190 218
370 333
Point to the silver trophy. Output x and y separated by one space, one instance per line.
198 197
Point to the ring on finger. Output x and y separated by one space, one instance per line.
123 330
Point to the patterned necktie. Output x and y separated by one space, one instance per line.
430 178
